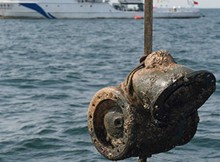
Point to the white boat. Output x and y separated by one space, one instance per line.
79 9
176 9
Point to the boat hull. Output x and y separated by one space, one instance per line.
64 11
75 10
176 13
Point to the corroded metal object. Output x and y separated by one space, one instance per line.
152 111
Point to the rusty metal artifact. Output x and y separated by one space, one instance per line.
152 111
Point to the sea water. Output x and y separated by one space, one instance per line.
50 69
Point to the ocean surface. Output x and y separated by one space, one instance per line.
50 69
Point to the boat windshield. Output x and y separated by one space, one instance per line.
128 7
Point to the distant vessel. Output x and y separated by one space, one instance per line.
79 9
176 9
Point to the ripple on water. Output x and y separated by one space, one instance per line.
42 143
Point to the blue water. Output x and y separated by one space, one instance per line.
50 69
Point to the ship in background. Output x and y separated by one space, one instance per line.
88 9
176 9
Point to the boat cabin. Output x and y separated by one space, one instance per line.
129 5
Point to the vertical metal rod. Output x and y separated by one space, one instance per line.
148 26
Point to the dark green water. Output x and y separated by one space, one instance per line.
50 69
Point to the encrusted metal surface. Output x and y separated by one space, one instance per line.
152 111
